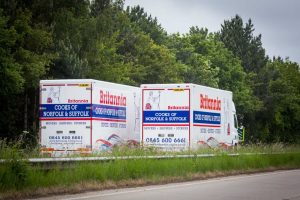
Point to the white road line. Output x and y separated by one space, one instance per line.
176 185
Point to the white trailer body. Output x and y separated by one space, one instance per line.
187 116
85 115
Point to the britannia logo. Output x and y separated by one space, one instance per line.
148 106
111 99
209 103
49 100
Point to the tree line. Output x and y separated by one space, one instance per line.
103 40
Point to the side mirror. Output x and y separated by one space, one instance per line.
241 133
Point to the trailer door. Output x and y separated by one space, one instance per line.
65 117
166 118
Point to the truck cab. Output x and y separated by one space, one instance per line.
235 134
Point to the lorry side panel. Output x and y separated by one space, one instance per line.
115 115
82 115
212 117
210 113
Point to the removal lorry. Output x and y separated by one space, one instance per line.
187 116
85 115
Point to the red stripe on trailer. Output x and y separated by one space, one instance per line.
165 124
91 114
40 111
64 119
143 116
152 89
206 125
84 118
189 118
54 84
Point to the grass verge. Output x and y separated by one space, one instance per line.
21 180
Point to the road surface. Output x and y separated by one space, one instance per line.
281 185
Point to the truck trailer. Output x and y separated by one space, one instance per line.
187 116
85 115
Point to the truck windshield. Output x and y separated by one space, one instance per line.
235 121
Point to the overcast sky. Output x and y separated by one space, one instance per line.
277 20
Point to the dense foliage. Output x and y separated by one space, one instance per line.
100 39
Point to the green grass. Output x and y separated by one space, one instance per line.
20 178
249 148
10 150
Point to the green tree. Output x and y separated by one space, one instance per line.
151 63
69 45
240 39
106 62
12 81
198 65
11 77
210 63
280 90
147 24
24 57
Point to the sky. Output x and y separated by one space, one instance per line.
278 21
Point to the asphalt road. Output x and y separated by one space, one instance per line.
281 185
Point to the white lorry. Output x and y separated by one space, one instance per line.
187 116
85 115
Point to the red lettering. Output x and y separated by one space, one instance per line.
78 101
178 107
209 103
201 101
111 99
